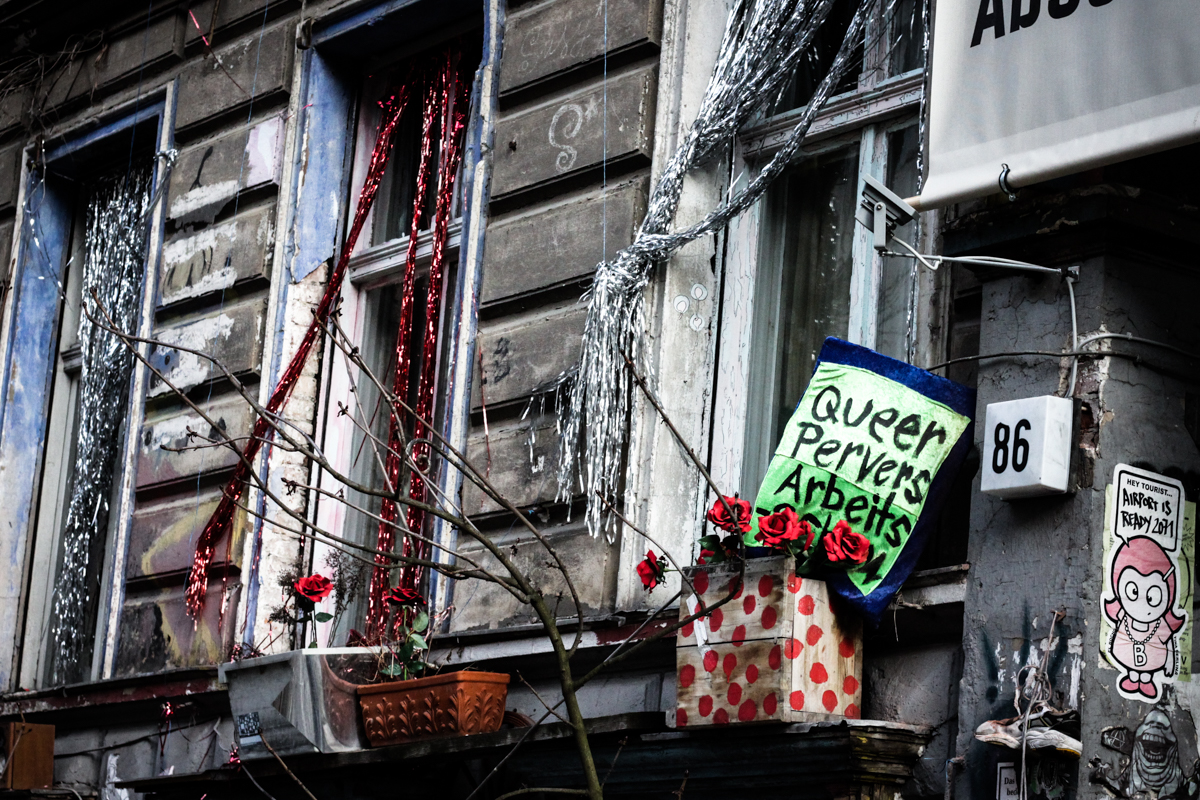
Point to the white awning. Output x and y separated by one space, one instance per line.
1053 87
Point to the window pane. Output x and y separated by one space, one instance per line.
816 62
394 217
113 260
803 292
895 321
907 36
368 456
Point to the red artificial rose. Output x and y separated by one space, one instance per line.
704 556
403 596
651 570
315 587
783 527
843 545
740 521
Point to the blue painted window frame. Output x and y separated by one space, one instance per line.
32 329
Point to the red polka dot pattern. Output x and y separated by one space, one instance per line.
687 675
792 648
751 642
729 665
700 581
769 617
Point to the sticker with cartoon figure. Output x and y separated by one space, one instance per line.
1148 549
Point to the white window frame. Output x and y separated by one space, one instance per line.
878 106
373 266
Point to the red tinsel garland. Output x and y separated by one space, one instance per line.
454 99
221 521
445 104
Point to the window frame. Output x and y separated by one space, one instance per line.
43 516
374 266
881 103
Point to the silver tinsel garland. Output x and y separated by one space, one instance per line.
113 268
764 42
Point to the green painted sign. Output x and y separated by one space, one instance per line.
861 448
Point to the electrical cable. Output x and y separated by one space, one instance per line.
117 745
1070 390
1068 353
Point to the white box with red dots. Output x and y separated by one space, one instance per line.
775 652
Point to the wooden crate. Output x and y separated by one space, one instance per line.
774 652
29 754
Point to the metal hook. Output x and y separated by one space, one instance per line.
1004 184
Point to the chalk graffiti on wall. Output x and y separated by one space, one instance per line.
1149 544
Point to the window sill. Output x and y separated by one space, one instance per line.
98 697
933 587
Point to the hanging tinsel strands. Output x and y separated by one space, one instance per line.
763 43
221 521
113 266
445 109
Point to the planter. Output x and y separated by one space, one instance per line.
298 701
775 652
450 704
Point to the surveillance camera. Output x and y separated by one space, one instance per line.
882 211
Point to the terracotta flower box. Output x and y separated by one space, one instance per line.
450 704
775 652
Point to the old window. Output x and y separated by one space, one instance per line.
376 292
816 273
88 226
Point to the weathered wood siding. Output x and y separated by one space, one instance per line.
571 174
213 284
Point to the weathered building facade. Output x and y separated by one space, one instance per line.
252 124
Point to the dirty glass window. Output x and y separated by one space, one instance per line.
377 275
896 310
803 294
104 274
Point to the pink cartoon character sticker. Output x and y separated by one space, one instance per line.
1145 620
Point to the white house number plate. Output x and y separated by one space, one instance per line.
1027 447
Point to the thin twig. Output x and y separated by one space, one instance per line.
541 790
286 769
